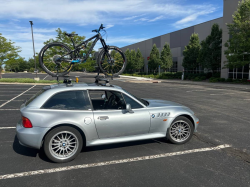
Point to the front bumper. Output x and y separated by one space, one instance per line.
30 137
196 122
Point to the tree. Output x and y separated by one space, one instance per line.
154 60
129 65
210 52
6 48
166 57
139 63
31 64
191 53
238 45
133 59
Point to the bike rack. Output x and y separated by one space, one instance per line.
66 79
98 78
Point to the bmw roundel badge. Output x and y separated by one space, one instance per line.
153 116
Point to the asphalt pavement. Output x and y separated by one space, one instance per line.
217 155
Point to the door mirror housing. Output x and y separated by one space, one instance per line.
128 108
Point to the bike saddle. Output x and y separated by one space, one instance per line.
70 34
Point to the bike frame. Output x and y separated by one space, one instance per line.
78 47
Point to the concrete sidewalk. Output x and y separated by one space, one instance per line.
229 86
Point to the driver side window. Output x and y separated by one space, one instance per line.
107 100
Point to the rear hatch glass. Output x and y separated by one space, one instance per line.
28 101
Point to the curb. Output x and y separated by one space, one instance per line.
26 83
139 78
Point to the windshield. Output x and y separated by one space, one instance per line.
139 99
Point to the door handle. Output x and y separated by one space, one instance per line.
103 117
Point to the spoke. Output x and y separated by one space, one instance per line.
72 142
58 137
69 136
66 150
72 139
60 151
55 144
55 147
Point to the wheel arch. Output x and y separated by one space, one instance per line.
188 117
67 125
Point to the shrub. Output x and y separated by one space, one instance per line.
214 79
222 79
229 80
203 78
197 79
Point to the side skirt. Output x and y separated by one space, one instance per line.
125 139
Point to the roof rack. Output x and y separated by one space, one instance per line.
102 78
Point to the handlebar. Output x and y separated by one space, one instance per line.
100 28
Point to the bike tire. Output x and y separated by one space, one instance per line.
42 63
102 55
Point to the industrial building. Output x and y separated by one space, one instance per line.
179 39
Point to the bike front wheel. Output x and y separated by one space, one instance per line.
55 59
113 62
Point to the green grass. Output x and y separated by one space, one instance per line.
26 80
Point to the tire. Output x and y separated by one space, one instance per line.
115 69
63 153
176 134
51 69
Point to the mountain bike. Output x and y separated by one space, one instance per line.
57 59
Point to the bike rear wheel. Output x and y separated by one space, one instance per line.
116 65
53 59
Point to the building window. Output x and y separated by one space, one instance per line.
239 73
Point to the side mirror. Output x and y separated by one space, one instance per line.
128 108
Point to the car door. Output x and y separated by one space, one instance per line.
115 121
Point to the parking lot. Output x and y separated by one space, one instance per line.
217 155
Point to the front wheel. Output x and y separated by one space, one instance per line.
113 62
55 59
180 131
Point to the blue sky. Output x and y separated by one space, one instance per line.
127 21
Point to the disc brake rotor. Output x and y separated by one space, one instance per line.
55 59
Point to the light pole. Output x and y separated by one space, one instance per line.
31 23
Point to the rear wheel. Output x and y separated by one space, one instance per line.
53 59
114 66
63 144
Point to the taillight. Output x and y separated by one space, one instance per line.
26 123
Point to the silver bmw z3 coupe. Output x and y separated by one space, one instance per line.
63 118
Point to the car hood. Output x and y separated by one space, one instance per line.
161 103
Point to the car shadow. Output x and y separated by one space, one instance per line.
124 144
30 152
22 150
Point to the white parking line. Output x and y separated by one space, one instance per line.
67 168
45 77
17 96
196 91
15 91
7 128
223 94
13 100
14 94
10 109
